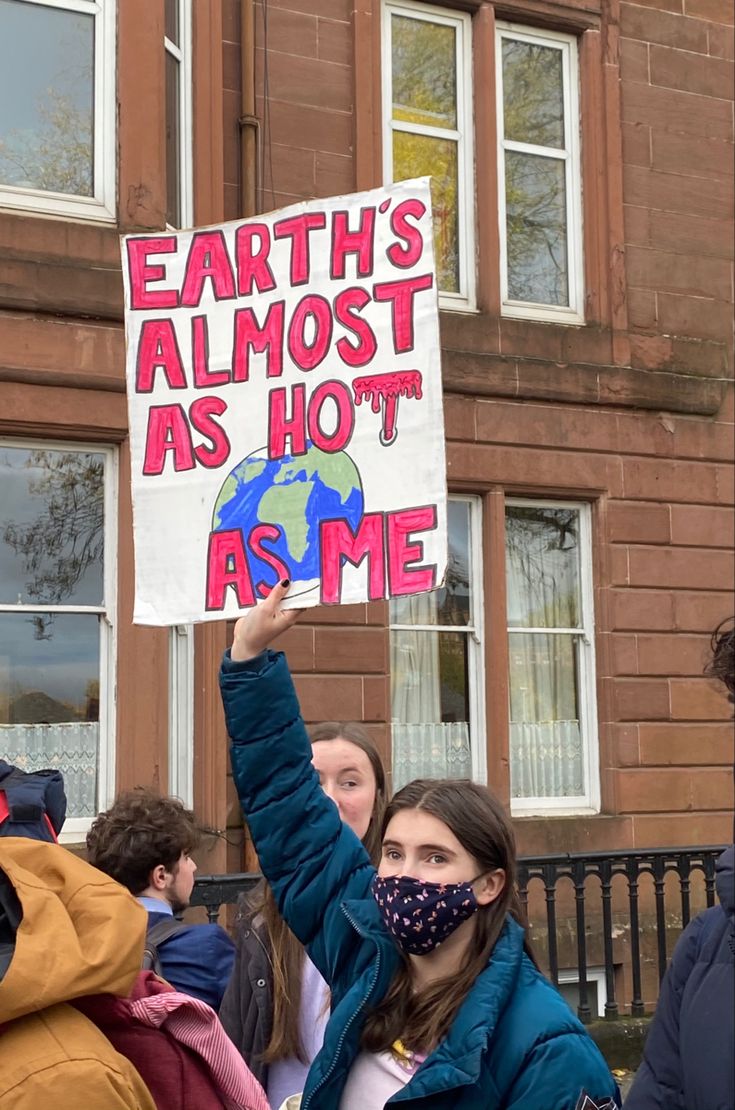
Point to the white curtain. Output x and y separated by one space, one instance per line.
414 664
545 734
71 748
431 751
546 759
424 746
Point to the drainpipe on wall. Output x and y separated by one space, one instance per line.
248 121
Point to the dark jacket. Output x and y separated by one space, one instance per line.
689 1057
514 1043
247 1007
197 960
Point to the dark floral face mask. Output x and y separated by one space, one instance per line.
420 915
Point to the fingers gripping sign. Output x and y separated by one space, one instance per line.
263 624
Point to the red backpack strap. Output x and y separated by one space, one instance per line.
51 828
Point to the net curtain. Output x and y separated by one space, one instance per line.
71 748
545 735
424 746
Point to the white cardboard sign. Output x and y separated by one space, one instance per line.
285 406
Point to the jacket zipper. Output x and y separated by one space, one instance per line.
325 1078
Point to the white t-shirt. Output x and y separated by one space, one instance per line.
374 1078
287 1077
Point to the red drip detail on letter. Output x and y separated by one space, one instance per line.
383 390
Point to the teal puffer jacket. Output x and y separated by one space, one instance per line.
514 1043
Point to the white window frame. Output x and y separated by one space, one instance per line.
465 299
76 827
101 207
475 632
181 713
568 46
589 802
594 975
184 57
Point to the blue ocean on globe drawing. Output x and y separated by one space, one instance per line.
295 493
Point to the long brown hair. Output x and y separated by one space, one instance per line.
477 819
287 953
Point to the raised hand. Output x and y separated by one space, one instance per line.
259 628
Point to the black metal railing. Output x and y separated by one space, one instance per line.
215 891
590 916
671 910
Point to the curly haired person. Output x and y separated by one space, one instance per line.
145 841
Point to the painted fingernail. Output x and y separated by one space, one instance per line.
285 582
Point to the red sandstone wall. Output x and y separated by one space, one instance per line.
662 483
677 92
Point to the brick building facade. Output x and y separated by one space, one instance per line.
603 413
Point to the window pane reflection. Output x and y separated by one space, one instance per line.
421 156
533 96
49 667
50 699
424 72
46 98
452 603
535 199
542 567
51 527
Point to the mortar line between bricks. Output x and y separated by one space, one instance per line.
688 92
682 50
546 449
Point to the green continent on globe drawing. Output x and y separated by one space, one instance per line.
286 505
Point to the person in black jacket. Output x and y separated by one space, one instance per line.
689 1057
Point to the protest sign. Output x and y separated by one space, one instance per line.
285 406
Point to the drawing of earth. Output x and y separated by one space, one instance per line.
295 493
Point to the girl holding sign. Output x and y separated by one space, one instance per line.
436 1000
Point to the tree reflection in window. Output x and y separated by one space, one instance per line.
62 545
542 552
424 88
46 126
535 178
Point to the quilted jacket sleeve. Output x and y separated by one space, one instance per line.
312 861
658 1083
557 1071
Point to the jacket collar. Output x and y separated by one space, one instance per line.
364 916
458 1059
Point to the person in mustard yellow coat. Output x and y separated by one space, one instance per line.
66 931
